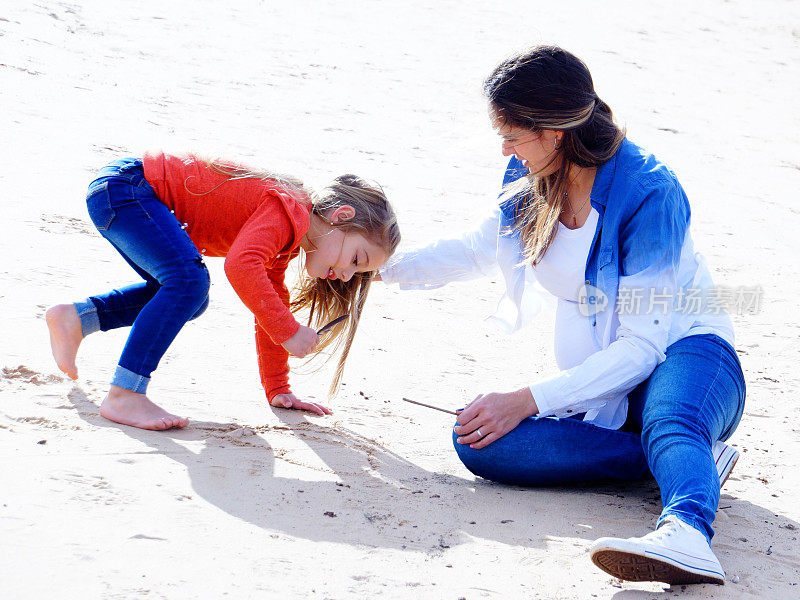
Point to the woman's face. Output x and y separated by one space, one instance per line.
538 150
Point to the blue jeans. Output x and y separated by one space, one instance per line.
126 212
691 400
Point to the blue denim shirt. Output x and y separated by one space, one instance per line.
643 218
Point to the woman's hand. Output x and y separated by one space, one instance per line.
291 401
302 343
489 417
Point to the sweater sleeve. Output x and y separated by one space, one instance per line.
650 248
273 364
252 268
273 359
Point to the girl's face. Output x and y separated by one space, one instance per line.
536 149
338 254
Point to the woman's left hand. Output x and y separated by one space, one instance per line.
490 416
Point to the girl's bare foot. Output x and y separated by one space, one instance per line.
137 410
65 336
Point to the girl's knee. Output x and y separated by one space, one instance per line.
198 286
189 286
195 281
201 310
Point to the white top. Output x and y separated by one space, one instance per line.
562 270
600 367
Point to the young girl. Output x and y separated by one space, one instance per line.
165 213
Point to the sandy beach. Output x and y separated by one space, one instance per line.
371 502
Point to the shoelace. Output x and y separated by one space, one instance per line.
667 530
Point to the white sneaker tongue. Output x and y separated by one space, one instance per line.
675 521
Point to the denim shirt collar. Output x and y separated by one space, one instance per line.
510 206
598 198
602 183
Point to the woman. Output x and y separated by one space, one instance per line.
649 381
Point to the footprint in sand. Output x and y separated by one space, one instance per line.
95 489
23 374
60 224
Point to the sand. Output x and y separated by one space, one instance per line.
370 502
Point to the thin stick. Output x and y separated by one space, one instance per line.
336 321
444 410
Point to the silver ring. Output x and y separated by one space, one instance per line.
478 431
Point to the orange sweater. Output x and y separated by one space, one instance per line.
257 225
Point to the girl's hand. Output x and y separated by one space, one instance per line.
291 401
302 343
494 415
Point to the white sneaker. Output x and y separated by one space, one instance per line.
726 458
675 553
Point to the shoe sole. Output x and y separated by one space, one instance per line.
634 567
727 467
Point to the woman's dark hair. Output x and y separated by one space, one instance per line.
549 88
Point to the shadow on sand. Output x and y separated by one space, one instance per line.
360 493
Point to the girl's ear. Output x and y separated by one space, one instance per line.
342 214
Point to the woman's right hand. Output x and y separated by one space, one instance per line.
302 343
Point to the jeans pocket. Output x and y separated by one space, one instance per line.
98 201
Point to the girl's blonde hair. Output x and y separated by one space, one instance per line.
326 299
549 88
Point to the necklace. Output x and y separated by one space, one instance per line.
569 204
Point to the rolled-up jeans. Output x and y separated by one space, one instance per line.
692 399
127 212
